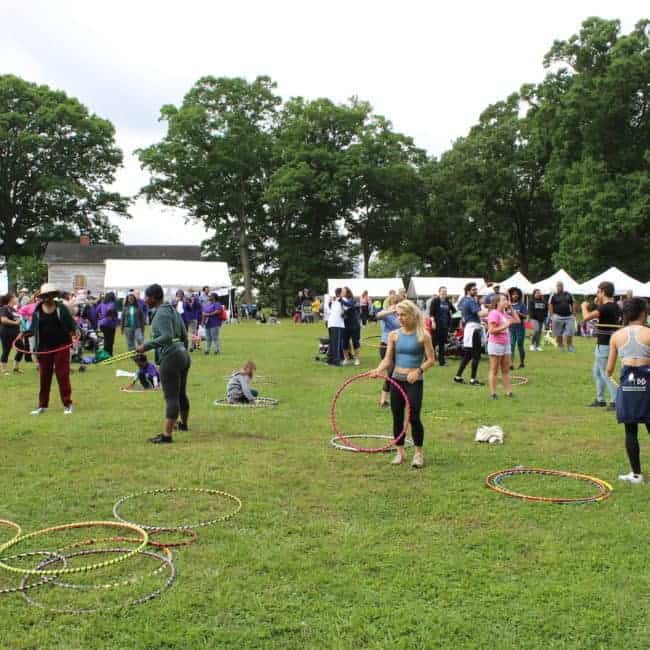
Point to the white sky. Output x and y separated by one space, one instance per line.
430 69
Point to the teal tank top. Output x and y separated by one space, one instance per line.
408 352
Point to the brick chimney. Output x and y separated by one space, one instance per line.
84 240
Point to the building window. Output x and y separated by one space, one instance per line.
79 282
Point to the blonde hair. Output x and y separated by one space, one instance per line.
411 310
248 367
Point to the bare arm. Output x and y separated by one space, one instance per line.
612 358
586 313
387 361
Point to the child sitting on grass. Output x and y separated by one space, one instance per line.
239 390
147 374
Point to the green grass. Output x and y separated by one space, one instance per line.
334 549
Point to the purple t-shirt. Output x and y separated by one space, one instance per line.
212 311
107 315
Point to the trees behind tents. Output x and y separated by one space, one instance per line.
56 161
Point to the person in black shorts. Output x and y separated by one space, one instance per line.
609 317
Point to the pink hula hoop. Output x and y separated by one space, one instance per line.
63 347
334 423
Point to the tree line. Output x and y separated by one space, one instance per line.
556 174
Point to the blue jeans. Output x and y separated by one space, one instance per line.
600 363
212 336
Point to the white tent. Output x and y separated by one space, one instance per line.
426 287
122 275
646 290
518 280
547 286
376 287
4 287
622 283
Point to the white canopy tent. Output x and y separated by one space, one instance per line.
4 286
376 287
547 286
518 280
122 275
427 287
622 283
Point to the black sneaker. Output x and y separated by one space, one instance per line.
180 426
459 380
521 365
476 382
160 439
611 406
512 367
597 403
494 396
510 395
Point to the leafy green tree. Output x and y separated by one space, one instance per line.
594 108
214 162
27 271
382 170
387 264
308 196
56 160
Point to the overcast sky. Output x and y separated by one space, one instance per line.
429 67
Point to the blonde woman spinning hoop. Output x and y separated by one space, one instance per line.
410 353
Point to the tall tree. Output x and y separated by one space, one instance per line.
594 107
214 162
56 160
308 197
382 171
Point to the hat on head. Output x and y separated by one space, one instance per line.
48 287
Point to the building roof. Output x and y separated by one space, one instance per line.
73 253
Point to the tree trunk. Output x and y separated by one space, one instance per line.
244 259
366 256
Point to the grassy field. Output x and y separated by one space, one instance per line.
333 549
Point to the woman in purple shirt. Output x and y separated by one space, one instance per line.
107 320
211 319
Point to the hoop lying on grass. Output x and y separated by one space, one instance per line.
260 402
364 436
10 524
346 442
139 390
166 561
494 480
518 380
167 491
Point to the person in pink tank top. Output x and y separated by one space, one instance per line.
499 319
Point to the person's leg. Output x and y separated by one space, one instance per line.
170 378
339 344
331 346
385 389
492 374
632 447
46 370
521 340
130 338
415 392
208 339
558 331
62 371
505 373
397 406
356 344
215 338
570 331
467 356
109 339
183 400
599 379
477 343
442 335
6 349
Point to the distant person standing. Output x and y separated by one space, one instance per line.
517 328
609 317
107 319
538 312
352 327
212 317
9 331
132 325
364 304
441 311
335 327
471 313
562 311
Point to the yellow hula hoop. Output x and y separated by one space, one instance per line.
15 526
144 540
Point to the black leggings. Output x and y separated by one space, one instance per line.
109 338
442 334
8 335
473 354
414 392
382 353
632 445
173 377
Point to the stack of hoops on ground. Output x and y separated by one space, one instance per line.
53 566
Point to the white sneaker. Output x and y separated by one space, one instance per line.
633 478
539 349
67 410
532 348
418 460
399 459
38 411
346 362
357 362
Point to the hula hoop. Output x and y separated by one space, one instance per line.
337 445
190 534
13 590
518 380
15 526
365 341
139 390
113 585
260 402
43 352
144 539
339 434
97 551
118 357
493 481
228 515
260 379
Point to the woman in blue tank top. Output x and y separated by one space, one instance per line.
632 344
410 354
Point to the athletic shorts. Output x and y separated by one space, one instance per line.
498 349
633 396
563 325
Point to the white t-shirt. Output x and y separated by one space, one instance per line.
179 307
335 318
